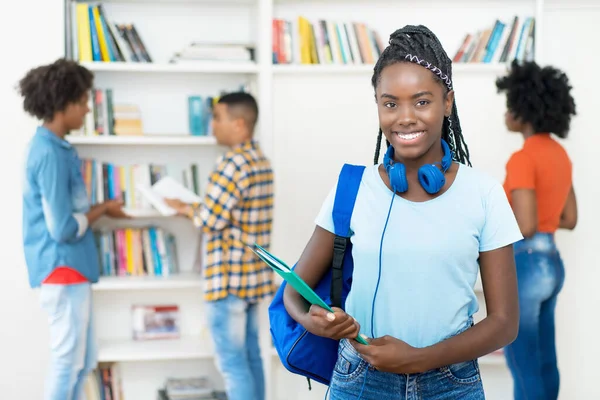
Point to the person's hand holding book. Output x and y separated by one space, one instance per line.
181 207
114 209
337 325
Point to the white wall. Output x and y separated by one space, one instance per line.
32 35
569 45
302 184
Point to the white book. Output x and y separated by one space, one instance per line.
167 187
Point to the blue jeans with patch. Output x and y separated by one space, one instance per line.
234 328
531 358
354 378
72 340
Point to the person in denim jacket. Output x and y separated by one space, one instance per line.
59 246
540 189
422 230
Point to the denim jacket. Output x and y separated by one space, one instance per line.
55 228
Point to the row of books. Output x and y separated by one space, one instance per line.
500 43
136 252
108 181
324 42
95 38
104 383
107 118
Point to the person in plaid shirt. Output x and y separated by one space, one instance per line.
237 211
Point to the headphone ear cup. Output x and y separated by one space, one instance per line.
431 178
397 175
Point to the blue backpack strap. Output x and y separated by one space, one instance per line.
345 197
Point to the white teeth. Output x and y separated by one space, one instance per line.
410 136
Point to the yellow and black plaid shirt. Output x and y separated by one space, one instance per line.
237 211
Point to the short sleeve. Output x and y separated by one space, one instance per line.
520 172
500 227
325 217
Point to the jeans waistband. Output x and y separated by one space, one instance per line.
539 242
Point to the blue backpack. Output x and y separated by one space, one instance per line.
300 351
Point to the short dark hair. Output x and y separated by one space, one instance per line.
244 105
540 96
419 45
50 88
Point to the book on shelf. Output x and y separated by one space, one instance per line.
110 118
195 388
104 383
94 37
500 43
214 52
137 252
155 321
107 181
301 41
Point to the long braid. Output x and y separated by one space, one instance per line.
378 147
417 44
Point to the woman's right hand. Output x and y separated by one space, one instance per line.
114 209
336 325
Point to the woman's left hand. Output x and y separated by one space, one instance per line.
388 354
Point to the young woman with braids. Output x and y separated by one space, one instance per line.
419 240
539 186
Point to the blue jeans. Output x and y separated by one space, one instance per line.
354 378
234 328
72 341
531 358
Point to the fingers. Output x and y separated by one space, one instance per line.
351 332
335 325
316 311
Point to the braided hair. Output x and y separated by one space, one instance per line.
417 44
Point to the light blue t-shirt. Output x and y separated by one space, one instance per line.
430 250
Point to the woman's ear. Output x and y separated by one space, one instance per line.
449 102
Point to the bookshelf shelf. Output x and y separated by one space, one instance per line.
367 68
150 140
129 350
319 69
200 67
187 280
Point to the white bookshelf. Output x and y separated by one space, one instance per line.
185 280
146 140
185 348
312 119
203 68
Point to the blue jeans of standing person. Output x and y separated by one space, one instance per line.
531 358
353 378
72 340
234 328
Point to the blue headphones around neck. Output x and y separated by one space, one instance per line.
430 176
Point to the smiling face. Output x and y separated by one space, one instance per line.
411 106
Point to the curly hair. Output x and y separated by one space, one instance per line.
539 96
49 89
419 45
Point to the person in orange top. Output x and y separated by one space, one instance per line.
540 189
